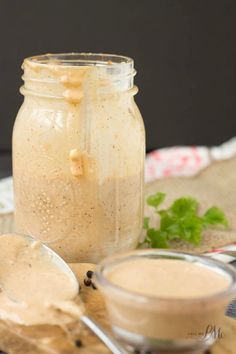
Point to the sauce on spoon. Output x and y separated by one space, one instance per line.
34 286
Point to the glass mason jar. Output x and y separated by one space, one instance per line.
78 155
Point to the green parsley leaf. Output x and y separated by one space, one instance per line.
156 239
214 216
156 199
183 206
191 229
146 223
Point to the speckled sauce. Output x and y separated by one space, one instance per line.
78 157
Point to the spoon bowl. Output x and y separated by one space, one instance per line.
51 256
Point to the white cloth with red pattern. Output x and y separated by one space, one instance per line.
185 160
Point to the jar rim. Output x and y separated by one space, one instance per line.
67 71
75 59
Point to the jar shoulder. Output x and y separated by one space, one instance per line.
43 114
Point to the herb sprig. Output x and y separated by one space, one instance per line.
180 221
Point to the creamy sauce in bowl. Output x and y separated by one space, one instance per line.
168 278
164 295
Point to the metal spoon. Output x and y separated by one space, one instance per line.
108 340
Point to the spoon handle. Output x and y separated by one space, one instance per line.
109 341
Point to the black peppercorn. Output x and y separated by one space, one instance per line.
94 286
78 343
87 282
89 274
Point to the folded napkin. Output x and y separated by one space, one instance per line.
185 161
6 196
224 254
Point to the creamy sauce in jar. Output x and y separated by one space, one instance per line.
78 157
